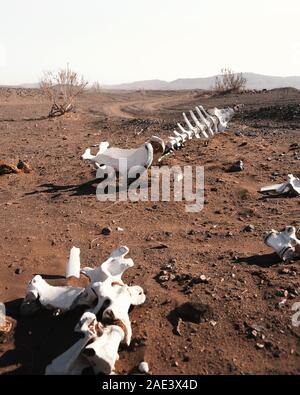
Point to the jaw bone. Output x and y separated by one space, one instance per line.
292 186
285 243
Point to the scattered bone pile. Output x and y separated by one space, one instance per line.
205 124
101 336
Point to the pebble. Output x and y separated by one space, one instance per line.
106 231
249 228
238 166
144 367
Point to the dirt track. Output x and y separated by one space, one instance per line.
46 212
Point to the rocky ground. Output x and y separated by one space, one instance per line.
216 257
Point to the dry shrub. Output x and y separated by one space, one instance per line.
96 87
229 82
62 89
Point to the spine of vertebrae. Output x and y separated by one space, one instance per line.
202 123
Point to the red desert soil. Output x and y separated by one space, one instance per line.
46 212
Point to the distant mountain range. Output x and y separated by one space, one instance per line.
254 81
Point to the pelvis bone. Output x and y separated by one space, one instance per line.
119 298
202 124
291 186
285 243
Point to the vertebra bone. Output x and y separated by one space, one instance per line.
102 353
285 243
293 186
112 268
71 362
51 297
119 299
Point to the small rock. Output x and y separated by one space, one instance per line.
18 270
106 231
203 279
177 328
260 346
144 367
249 228
194 312
236 167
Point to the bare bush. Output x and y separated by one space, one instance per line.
62 89
229 81
96 87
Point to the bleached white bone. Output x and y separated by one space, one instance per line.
119 299
196 130
206 121
121 160
112 268
71 362
190 133
73 264
61 298
184 137
199 125
213 121
293 185
102 353
223 115
285 243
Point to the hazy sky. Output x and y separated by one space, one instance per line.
114 41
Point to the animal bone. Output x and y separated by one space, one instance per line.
121 160
207 125
73 265
71 362
99 346
51 297
292 186
102 353
120 298
113 267
285 243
